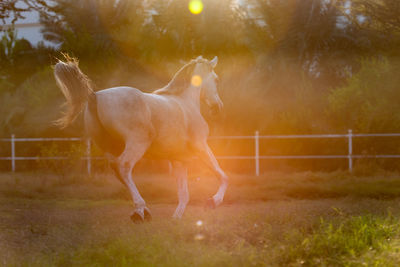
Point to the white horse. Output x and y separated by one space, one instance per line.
128 124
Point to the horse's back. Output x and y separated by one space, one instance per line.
123 113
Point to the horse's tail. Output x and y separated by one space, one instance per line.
76 87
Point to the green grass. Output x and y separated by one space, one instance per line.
280 219
344 242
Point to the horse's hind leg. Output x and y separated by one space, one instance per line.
112 160
126 161
206 155
180 172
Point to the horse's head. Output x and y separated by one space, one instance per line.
205 78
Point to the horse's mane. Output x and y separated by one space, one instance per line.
181 79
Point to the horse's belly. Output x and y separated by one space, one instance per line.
172 149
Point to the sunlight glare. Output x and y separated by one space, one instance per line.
196 80
199 223
198 237
195 6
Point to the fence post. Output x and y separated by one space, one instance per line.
257 152
13 153
350 149
88 157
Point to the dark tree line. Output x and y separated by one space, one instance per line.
324 39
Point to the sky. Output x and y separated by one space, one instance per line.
31 33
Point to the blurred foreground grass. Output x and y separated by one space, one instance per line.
279 219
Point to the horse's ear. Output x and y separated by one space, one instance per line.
214 61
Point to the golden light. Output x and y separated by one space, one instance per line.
195 6
199 223
196 80
199 237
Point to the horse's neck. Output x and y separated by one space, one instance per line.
191 94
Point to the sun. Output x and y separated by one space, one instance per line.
195 6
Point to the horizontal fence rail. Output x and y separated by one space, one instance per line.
256 157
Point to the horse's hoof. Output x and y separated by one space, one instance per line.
147 215
136 218
139 216
210 204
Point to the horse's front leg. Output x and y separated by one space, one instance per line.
126 161
179 170
205 154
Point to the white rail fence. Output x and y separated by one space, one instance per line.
256 157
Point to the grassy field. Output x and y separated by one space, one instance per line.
279 219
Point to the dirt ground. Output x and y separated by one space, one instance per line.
37 231
266 221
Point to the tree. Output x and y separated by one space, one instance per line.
369 101
381 19
14 9
85 28
183 34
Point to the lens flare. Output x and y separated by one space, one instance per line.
195 6
199 223
199 237
196 80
